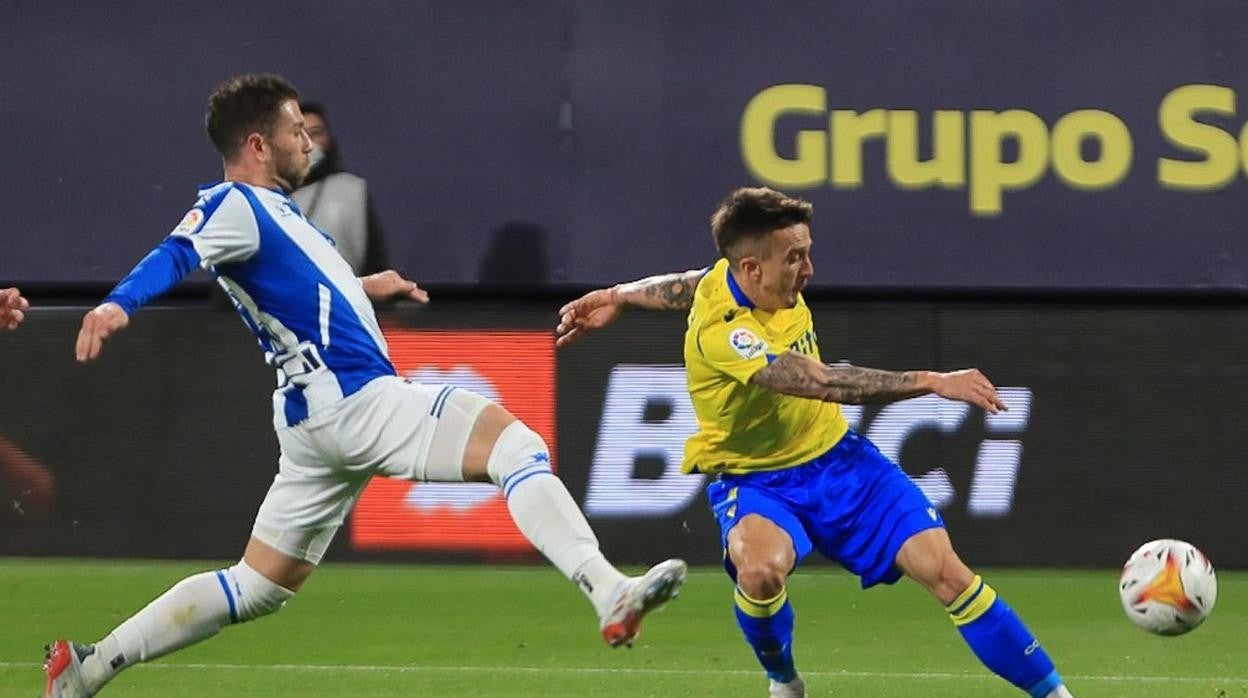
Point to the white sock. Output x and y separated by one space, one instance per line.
195 608
1060 692
547 515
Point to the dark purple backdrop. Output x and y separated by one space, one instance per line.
609 130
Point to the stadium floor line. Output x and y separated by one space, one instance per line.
369 668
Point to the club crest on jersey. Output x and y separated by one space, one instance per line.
746 343
190 222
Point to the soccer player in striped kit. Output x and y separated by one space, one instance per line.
341 413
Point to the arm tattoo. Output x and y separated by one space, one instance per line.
665 292
852 385
794 374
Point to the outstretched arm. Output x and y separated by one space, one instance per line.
158 272
597 309
795 374
12 308
663 292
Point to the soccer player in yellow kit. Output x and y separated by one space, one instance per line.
788 476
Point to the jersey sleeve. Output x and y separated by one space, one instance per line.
155 274
736 347
222 228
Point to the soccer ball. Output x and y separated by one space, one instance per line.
1168 587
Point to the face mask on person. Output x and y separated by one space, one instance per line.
315 157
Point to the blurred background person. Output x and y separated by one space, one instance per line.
337 201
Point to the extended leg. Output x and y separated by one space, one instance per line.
505 451
194 609
993 630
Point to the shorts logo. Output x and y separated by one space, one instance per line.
746 343
190 222
931 511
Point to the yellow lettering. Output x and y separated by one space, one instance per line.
1220 153
990 176
849 130
1243 146
988 152
947 166
758 137
1115 144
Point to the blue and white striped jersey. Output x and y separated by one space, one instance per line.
293 290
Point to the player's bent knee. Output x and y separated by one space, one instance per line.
945 577
761 581
518 454
250 593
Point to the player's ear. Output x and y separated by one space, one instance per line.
256 143
751 266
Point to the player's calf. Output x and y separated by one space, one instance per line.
765 616
519 463
1003 643
546 514
194 609
767 624
986 622
544 511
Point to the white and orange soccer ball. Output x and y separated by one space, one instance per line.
1168 587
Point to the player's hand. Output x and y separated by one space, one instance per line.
592 311
12 308
969 385
388 285
102 322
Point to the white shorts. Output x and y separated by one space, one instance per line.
390 427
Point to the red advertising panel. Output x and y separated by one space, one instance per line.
515 369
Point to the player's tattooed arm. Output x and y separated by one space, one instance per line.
796 374
663 292
598 309
792 373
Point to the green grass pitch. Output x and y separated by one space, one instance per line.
409 630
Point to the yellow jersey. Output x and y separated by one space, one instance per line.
742 427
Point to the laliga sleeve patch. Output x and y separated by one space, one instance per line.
190 222
746 343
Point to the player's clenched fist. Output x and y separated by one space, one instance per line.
12 306
99 324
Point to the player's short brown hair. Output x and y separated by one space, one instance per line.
243 105
752 213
